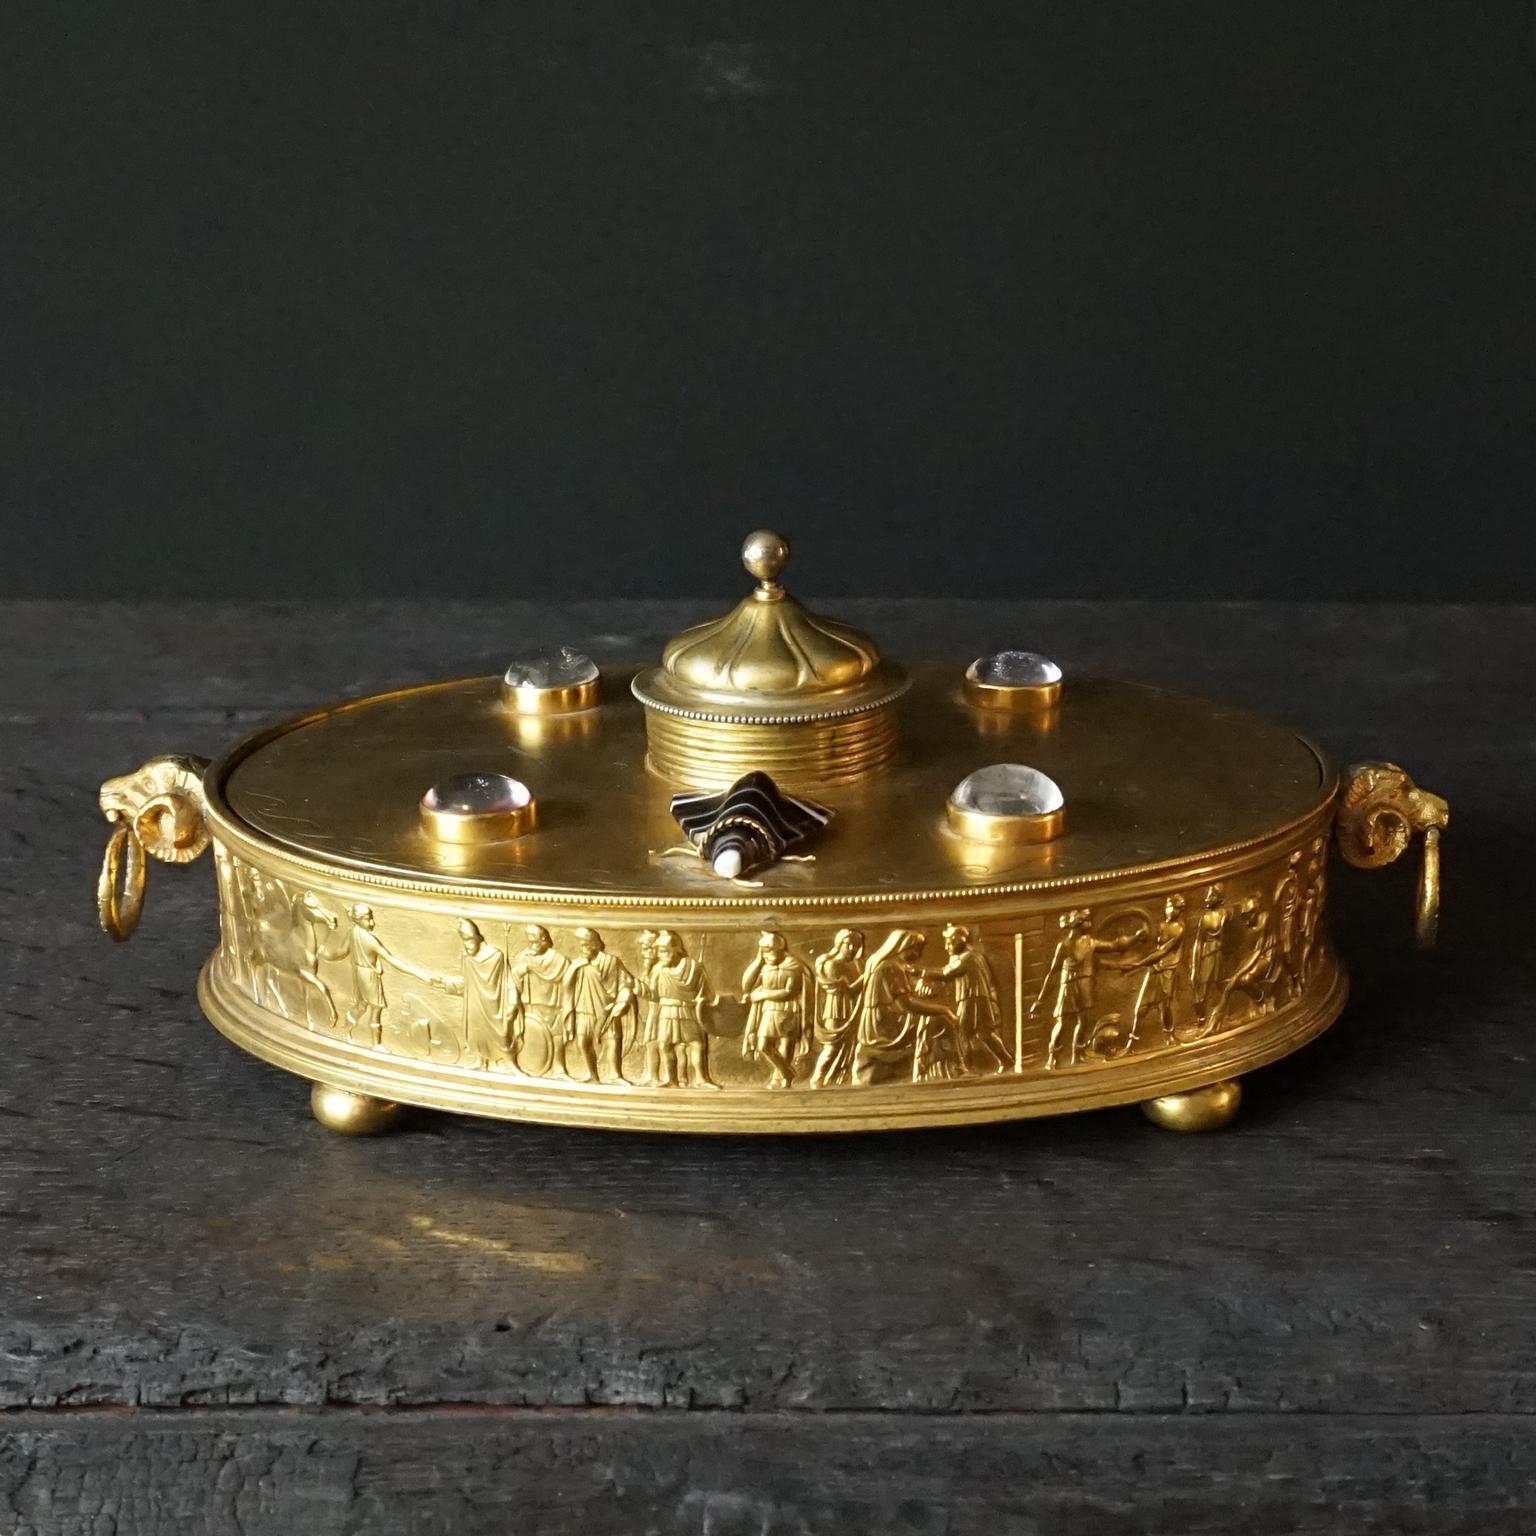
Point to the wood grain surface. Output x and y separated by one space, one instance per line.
215 1316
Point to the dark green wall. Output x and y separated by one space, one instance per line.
1068 297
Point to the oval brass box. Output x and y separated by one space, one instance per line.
593 972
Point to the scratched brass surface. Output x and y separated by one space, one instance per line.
1149 777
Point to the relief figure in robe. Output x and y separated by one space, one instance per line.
488 1038
840 981
901 1023
599 1004
973 986
538 977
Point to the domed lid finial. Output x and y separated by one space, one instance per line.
770 660
765 553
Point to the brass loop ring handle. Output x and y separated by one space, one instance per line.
1380 811
1426 924
120 886
158 811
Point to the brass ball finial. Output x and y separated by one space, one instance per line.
765 553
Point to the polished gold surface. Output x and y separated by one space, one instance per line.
773 686
1381 810
351 1114
1200 1109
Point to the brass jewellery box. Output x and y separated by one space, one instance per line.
775 882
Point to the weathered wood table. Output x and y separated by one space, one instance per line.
217 1317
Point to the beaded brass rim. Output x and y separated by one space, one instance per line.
649 688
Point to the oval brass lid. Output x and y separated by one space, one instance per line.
1151 778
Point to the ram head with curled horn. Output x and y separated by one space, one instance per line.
158 811
1381 811
163 805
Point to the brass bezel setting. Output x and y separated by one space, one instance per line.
464 829
525 699
1004 831
1010 698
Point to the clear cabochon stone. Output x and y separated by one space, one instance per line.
1008 789
477 794
1015 669
560 666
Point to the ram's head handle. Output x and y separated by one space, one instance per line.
1381 810
159 811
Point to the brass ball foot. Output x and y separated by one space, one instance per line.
1201 1109
351 1114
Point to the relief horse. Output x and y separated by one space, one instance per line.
288 943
